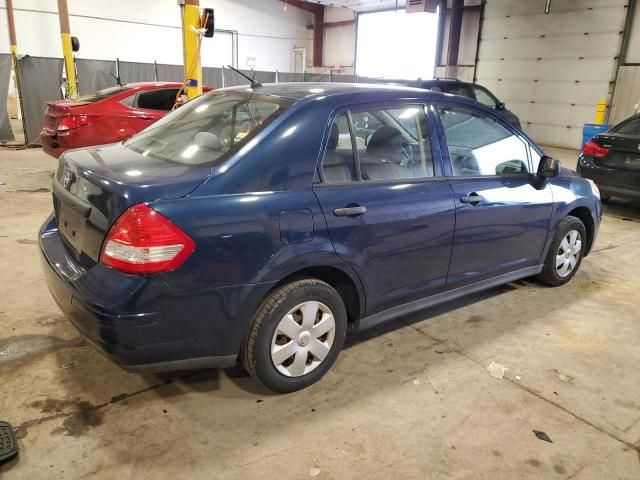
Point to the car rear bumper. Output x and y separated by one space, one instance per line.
610 181
137 321
50 144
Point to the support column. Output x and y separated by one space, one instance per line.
455 28
191 44
12 28
67 50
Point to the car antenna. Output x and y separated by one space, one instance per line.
254 84
117 75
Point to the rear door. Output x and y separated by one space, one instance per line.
502 221
621 166
389 217
152 105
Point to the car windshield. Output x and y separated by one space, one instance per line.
208 129
101 94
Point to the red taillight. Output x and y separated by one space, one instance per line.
70 122
145 241
592 149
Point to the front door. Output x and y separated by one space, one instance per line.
389 218
502 221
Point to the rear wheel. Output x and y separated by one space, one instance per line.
296 336
565 253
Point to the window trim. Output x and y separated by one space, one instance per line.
491 113
436 153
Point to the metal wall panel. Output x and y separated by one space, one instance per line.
626 100
94 75
40 80
551 69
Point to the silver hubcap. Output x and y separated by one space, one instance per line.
303 339
568 253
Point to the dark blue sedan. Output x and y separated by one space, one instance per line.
260 224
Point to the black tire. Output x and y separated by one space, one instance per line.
549 275
256 352
604 199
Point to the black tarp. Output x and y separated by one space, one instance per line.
94 75
40 82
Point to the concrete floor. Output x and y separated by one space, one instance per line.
411 400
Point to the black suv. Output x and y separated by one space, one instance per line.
464 89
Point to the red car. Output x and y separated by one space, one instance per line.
107 116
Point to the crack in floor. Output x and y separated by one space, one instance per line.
529 390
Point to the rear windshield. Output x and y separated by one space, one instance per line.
630 126
101 94
208 129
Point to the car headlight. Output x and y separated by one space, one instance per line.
594 188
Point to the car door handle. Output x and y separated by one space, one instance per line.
352 211
472 198
145 117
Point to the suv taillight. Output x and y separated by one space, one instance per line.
145 241
71 122
592 149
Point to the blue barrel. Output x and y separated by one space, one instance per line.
590 130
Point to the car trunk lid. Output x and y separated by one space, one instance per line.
58 109
621 165
94 186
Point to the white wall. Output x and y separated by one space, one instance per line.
148 30
340 42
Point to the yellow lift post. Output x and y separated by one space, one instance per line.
191 39
67 49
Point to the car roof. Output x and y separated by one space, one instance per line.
142 85
301 90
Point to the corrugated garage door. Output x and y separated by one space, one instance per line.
551 69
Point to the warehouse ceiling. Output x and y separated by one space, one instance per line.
362 5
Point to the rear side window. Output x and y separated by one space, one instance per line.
391 144
163 99
479 145
101 94
630 126
461 90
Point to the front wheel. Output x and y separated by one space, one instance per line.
296 336
566 252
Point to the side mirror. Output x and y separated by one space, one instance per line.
500 106
548 167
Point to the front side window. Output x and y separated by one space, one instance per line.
209 128
484 97
479 145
